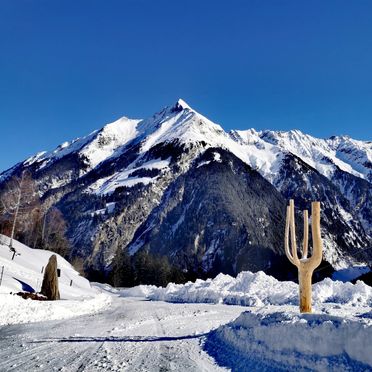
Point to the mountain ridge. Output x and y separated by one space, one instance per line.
112 183
123 130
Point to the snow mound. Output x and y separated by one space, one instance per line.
24 274
254 289
289 341
343 293
138 291
16 310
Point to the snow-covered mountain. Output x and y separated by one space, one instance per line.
177 184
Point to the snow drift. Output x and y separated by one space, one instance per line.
254 289
285 340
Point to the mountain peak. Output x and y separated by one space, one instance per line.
182 104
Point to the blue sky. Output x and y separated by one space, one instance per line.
69 67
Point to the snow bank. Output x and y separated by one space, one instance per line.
25 271
359 294
254 289
247 289
15 310
292 341
138 291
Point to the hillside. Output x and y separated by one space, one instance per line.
24 274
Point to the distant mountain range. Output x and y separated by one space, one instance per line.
177 184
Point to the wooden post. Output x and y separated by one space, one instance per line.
1 276
305 265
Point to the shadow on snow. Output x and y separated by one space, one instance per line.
123 339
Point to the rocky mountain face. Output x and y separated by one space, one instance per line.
177 184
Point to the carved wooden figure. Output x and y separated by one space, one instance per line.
305 265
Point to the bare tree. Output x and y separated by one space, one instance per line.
18 202
53 232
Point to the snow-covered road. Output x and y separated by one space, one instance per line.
132 335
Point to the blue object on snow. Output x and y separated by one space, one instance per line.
25 287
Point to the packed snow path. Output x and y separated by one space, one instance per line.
132 335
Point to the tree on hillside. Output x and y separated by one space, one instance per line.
24 217
154 269
122 274
142 268
162 270
18 201
52 232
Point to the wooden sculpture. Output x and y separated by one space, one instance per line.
305 265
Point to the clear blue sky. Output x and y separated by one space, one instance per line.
69 67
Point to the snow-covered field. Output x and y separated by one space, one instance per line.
133 335
25 270
248 323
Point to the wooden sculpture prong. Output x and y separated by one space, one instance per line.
306 234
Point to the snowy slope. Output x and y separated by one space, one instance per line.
125 178
25 270
352 156
94 148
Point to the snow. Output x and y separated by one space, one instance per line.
285 339
45 158
183 104
119 329
120 179
256 289
325 155
272 334
202 163
110 139
110 207
350 273
217 157
95 148
132 335
138 291
16 310
262 150
26 267
194 329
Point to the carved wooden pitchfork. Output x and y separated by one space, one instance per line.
305 265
